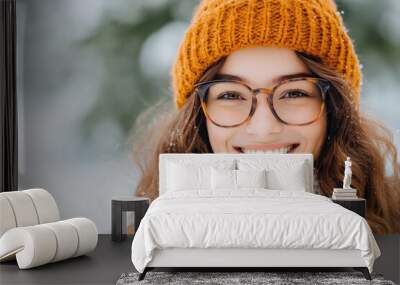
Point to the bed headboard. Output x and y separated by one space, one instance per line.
213 158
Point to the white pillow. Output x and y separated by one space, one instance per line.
181 177
223 179
229 179
185 173
282 174
251 178
293 180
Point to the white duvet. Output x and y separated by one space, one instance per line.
251 218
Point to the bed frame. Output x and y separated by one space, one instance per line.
248 259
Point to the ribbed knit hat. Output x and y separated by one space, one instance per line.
220 27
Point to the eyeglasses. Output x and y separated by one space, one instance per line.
295 101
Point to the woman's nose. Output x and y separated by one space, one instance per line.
263 121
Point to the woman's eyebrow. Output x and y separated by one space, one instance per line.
223 76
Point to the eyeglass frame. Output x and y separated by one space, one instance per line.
202 87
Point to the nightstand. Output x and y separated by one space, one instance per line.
356 205
122 204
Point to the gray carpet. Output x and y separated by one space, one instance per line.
286 278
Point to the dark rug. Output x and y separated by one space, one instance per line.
286 278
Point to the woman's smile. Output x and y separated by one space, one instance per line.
267 148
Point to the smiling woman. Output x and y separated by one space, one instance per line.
249 78
292 115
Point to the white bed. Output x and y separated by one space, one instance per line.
249 227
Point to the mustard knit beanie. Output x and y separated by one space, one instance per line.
220 27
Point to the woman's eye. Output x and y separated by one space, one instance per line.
295 94
230 96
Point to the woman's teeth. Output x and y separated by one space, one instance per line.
278 150
282 150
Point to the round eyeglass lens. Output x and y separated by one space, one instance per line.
297 102
228 103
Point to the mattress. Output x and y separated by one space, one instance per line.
250 219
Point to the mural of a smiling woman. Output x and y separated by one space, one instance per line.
276 76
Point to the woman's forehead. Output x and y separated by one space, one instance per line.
263 65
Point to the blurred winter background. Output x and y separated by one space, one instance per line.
86 68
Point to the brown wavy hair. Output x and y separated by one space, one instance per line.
349 133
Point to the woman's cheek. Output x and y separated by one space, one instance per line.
219 138
319 136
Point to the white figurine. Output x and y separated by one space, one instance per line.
347 174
